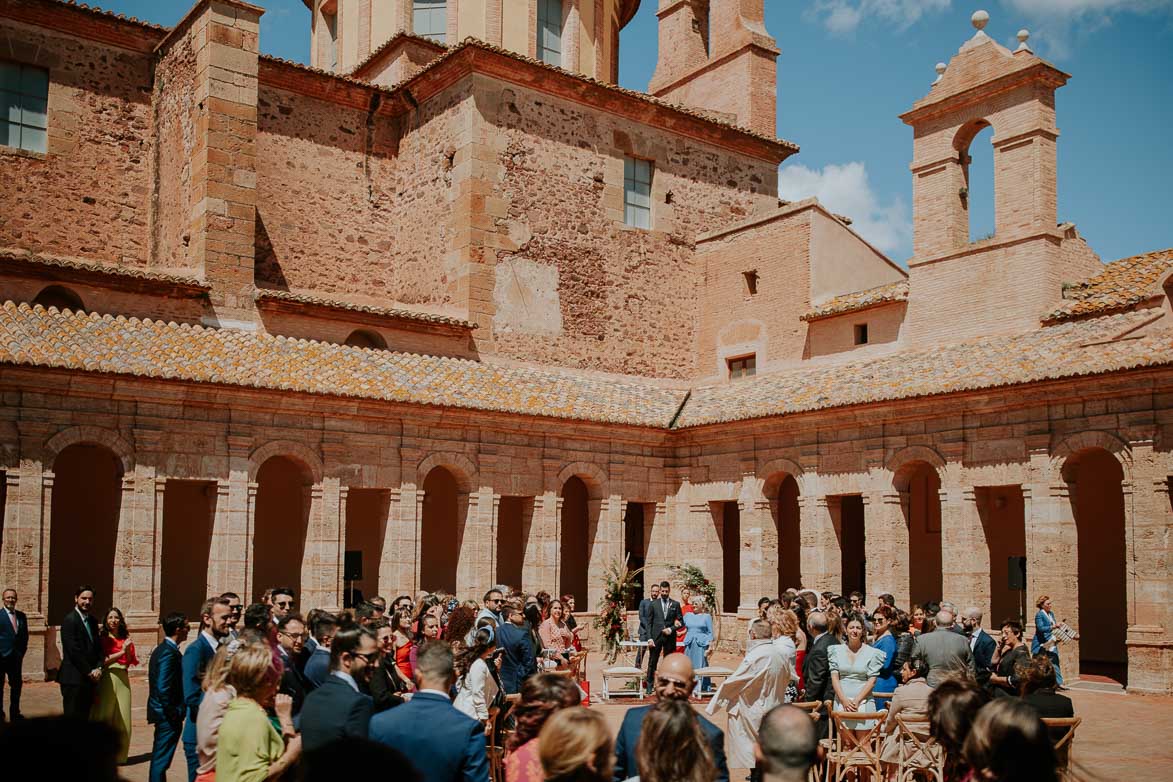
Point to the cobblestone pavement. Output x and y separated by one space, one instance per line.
1119 737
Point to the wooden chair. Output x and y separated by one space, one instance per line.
856 752
919 753
822 711
1062 730
495 747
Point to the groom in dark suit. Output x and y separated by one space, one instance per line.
81 656
14 642
666 618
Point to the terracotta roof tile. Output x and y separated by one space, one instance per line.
22 257
1074 349
399 37
34 336
1121 285
97 11
368 309
860 300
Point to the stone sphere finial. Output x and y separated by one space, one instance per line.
940 68
1023 35
979 19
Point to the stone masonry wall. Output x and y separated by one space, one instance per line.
573 285
95 178
177 136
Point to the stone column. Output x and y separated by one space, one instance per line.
1148 518
759 554
321 566
965 553
399 568
822 558
137 553
24 559
474 568
606 547
1052 563
885 517
542 554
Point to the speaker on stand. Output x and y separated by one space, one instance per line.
351 572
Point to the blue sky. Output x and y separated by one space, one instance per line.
849 67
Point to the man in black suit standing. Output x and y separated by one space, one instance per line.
666 618
817 668
338 708
645 622
291 637
81 655
14 642
165 705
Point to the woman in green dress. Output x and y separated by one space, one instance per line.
112 703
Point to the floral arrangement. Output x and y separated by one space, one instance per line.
619 582
693 577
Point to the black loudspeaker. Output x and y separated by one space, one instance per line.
352 566
1016 573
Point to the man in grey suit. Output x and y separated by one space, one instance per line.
945 650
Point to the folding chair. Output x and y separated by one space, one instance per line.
919 752
858 752
1062 730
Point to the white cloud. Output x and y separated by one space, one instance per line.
1054 23
845 189
842 17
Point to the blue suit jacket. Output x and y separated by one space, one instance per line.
628 738
444 745
517 657
334 711
165 702
317 668
196 657
983 654
13 641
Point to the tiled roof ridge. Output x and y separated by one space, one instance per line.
402 35
859 300
1119 286
82 264
369 309
102 12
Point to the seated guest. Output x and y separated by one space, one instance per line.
1039 685
576 746
672 747
444 745
541 696
556 636
386 683
674 681
517 653
953 704
1010 658
317 667
250 748
787 747
1009 743
476 688
910 701
338 707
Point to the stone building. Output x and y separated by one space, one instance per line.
451 298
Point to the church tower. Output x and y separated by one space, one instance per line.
1003 282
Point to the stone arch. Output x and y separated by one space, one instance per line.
61 297
290 448
783 489
591 474
1072 445
96 435
775 471
902 463
366 338
462 468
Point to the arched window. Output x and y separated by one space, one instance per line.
429 18
60 297
976 153
361 338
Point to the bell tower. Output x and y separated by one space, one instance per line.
1005 281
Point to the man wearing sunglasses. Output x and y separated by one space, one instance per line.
339 709
236 612
283 602
492 606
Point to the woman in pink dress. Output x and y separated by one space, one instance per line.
556 636
541 696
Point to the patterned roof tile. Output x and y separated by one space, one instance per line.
1121 285
21 256
270 294
860 300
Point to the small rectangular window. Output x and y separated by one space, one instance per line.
550 31
743 366
429 19
331 21
861 333
751 282
24 101
637 192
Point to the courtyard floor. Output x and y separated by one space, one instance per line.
1119 737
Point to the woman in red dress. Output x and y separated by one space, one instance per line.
685 608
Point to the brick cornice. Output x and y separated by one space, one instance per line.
1040 72
82 21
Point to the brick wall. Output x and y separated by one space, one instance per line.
827 336
176 133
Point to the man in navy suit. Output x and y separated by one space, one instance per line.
81 656
338 708
444 745
674 681
517 650
165 705
14 642
214 617
645 622
981 644
666 618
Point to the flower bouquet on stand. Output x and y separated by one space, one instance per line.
619 583
693 577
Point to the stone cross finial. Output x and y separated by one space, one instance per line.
940 68
1023 35
979 19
